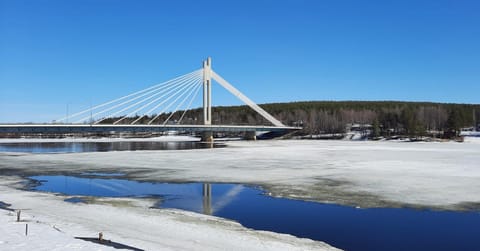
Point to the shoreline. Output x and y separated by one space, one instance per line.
54 223
182 138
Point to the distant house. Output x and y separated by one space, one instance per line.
357 131
471 129
357 127
467 129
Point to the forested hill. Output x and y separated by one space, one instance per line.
316 117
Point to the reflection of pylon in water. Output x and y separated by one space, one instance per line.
207 198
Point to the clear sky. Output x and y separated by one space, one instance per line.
54 53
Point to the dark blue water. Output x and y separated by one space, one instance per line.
343 227
74 147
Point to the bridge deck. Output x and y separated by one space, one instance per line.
104 128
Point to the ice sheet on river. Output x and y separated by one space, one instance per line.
439 175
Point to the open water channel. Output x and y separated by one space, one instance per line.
348 228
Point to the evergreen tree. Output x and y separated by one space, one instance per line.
453 123
376 128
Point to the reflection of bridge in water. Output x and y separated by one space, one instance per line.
222 199
207 198
142 111
185 196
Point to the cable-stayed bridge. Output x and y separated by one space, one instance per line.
159 108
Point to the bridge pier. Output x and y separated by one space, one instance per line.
207 137
250 135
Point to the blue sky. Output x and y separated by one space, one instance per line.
54 53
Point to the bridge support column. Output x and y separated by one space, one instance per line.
250 135
207 137
207 91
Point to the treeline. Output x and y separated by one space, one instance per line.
387 118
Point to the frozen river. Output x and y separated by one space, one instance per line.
389 176
345 227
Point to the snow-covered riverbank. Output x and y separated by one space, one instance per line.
53 224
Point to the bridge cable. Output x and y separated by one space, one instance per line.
183 84
189 104
193 87
124 97
166 91
183 101
156 91
181 94
170 90
186 84
170 103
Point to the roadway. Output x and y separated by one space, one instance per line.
106 128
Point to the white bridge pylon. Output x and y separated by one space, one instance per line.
159 99
208 74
